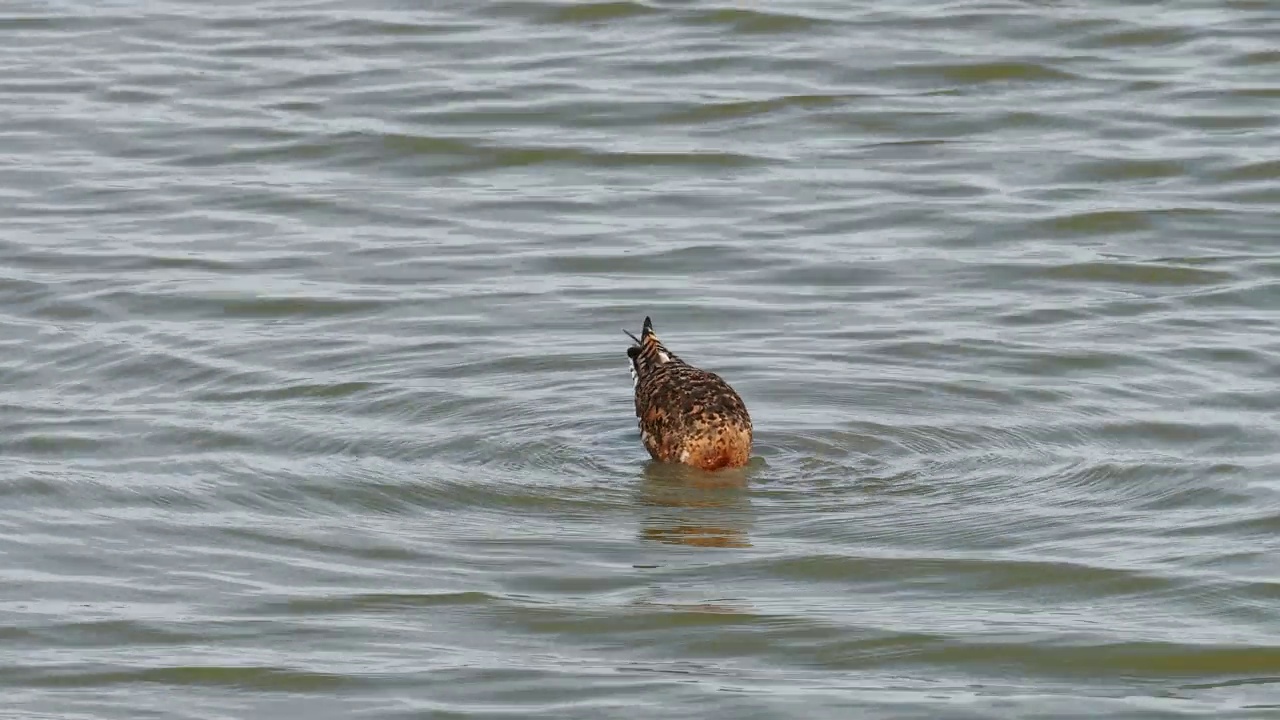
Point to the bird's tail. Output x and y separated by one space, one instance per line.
648 352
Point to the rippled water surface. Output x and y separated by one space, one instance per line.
314 401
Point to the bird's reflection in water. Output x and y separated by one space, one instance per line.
691 507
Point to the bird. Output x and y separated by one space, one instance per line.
686 414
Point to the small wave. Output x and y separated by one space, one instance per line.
755 21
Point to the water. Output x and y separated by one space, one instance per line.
314 401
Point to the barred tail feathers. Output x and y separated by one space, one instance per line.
647 353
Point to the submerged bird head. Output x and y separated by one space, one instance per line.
647 353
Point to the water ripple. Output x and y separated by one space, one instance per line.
313 382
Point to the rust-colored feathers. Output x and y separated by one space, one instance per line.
687 415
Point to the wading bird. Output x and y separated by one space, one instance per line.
687 415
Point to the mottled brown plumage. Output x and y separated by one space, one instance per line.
687 415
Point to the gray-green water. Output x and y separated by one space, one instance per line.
314 401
